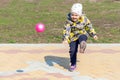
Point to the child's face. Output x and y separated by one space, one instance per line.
74 17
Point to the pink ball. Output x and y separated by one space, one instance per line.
40 27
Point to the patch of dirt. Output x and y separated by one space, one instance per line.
104 0
96 0
32 1
4 3
117 1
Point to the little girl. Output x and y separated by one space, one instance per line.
77 28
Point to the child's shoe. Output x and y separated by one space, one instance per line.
72 68
82 46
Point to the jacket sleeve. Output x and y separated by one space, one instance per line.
89 28
66 31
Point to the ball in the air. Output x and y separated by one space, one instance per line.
40 27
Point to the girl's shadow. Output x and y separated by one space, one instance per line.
62 61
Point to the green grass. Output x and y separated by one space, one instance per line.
19 17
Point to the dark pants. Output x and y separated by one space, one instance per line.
74 48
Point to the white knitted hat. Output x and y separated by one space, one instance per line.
77 8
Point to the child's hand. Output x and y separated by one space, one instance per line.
95 37
65 42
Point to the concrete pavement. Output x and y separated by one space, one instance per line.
51 62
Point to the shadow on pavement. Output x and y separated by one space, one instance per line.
62 61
